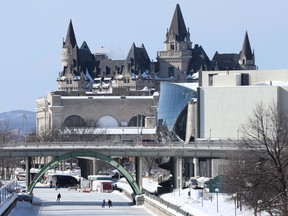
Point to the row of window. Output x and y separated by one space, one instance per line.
69 88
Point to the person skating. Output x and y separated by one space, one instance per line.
58 197
103 203
110 203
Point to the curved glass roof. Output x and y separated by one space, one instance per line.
173 99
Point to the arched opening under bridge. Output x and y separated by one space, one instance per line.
97 155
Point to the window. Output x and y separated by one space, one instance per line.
170 72
172 47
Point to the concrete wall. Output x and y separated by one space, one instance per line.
227 80
255 76
223 110
157 209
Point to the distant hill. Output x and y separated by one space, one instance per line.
19 119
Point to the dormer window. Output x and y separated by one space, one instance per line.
172 46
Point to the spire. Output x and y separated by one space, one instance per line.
84 46
137 59
130 59
246 49
177 26
70 37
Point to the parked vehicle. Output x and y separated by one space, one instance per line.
101 183
194 183
62 180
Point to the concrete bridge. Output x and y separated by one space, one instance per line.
207 149
106 151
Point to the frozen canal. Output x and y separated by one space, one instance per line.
77 203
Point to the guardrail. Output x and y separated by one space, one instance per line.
7 191
205 145
167 204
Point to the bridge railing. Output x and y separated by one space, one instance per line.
7 191
203 144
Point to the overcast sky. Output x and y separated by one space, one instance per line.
32 32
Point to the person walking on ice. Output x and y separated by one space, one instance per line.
58 197
103 203
110 203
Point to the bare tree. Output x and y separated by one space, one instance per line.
7 136
68 134
149 162
260 174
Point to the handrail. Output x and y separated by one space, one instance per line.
196 145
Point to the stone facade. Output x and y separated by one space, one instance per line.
59 111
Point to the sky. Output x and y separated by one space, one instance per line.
32 33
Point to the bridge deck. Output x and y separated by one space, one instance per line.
202 149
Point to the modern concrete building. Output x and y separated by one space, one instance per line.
216 110
226 99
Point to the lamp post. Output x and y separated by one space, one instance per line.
259 203
217 190
44 110
202 195
238 134
210 134
137 123
24 126
179 183
234 196
141 128
171 182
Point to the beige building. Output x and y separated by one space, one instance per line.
226 99
60 111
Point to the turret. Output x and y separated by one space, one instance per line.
69 47
247 57
177 37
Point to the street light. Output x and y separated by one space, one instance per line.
24 133
235 196
137 129
171 182
217 190
202 195
259 203
141 128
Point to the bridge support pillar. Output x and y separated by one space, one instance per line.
138 170
209 167
95 166
196 166
28 174
86 166
139 200
176 171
